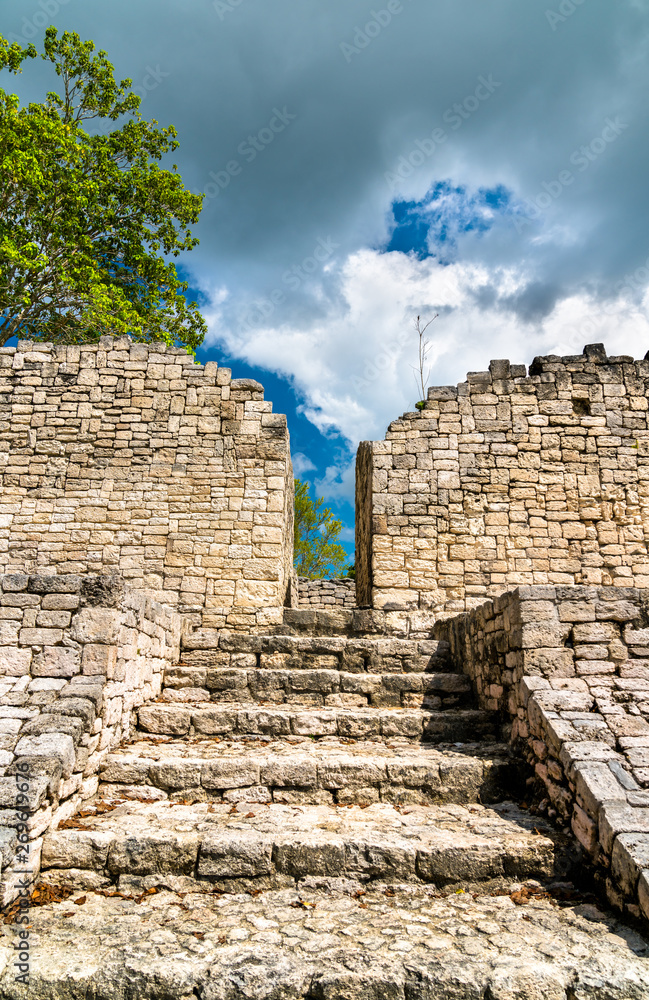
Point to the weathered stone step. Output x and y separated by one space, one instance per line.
275 845
327 771
324 941
213 648
356 622
317 687
453 725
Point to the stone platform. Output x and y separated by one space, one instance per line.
327 939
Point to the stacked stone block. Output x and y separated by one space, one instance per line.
509 478
569 667
340 757
327 593
131 458
79 655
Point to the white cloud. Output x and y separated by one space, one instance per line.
301 464
344 334
354 366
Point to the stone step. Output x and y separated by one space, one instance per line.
213 648
327 771
326 940
357 622
269 846
454 725
317 687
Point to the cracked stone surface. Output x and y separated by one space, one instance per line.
325 939
279 844
325 770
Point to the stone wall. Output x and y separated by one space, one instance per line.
569 668
365 487
79 655
509 478
327 593
131 458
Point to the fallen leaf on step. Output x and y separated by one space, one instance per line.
73 824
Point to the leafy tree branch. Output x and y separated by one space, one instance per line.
88 221
316 552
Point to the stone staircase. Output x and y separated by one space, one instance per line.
322 812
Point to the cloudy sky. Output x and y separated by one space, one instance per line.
364 164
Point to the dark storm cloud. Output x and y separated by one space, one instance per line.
294 117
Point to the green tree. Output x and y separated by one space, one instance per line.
88 218
316 552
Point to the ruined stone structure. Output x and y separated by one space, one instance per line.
124 458
218 782
509 478
326 593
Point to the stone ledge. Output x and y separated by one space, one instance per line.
583 722
312 942
72 673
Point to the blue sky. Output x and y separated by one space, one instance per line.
364 164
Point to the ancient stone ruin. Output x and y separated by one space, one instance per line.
219 781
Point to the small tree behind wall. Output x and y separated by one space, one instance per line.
316 552
421 374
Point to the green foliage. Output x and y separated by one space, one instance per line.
88 221
316 552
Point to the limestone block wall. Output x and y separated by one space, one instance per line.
327 593
569 668
132 458
509 478
78 656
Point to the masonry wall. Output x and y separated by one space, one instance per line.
568 667
509 478
327 593
78 656
120 457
